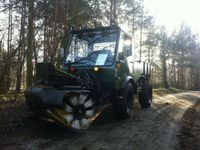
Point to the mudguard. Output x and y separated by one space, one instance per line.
131 80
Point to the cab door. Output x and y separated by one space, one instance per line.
124 64
125 53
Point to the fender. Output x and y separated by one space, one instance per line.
131 80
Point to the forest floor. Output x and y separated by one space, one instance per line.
173 122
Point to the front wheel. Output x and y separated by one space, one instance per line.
145 95
123 107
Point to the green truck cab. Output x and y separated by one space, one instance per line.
98 69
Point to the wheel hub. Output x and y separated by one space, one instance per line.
79 112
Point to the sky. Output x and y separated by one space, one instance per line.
172 13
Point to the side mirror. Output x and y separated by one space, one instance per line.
128 52
121 56
62 53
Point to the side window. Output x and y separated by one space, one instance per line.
125 46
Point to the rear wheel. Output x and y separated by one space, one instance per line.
123 107
145 95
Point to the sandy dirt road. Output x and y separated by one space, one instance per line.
154 128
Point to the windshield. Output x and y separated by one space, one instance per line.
92 48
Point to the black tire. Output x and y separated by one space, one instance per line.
145 95
123 107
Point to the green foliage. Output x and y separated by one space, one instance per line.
179 56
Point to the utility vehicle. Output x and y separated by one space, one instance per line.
98 69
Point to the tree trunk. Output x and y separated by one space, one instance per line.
197 85
30 44
164 74
21 53
55 33
45 54
174 73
